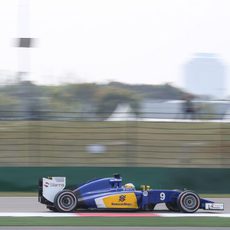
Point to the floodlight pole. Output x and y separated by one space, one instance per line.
24 41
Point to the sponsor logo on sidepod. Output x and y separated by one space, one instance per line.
122 198
121 201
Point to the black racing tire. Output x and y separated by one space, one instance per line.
188 201
172 206
65 201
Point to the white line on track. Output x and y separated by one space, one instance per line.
195 215
36 214
39 214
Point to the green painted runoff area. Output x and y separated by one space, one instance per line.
202 180
114 221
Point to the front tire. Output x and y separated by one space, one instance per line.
188 202
65 201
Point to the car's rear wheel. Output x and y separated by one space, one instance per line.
188 201
65 201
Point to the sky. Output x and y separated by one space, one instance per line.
131 41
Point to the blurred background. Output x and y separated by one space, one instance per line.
140 84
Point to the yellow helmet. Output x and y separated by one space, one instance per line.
129 186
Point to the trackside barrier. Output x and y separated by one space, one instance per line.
202 180
139 143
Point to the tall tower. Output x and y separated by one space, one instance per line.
24 41
204 74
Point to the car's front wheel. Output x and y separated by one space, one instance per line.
188 201
65 201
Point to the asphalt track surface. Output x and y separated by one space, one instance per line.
31 204
110 228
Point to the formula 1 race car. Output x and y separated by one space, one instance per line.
109 193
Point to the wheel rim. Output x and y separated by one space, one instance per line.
190 202
67 202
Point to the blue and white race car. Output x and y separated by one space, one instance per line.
109 193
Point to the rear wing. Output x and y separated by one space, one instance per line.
49 187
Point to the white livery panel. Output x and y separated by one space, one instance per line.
51 186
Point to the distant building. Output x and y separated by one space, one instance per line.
173 109
205 75
161 109
123 112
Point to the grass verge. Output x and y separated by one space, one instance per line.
114 221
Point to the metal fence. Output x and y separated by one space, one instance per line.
128 142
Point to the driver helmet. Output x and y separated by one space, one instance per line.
129 186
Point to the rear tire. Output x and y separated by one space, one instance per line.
65 201
188 202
